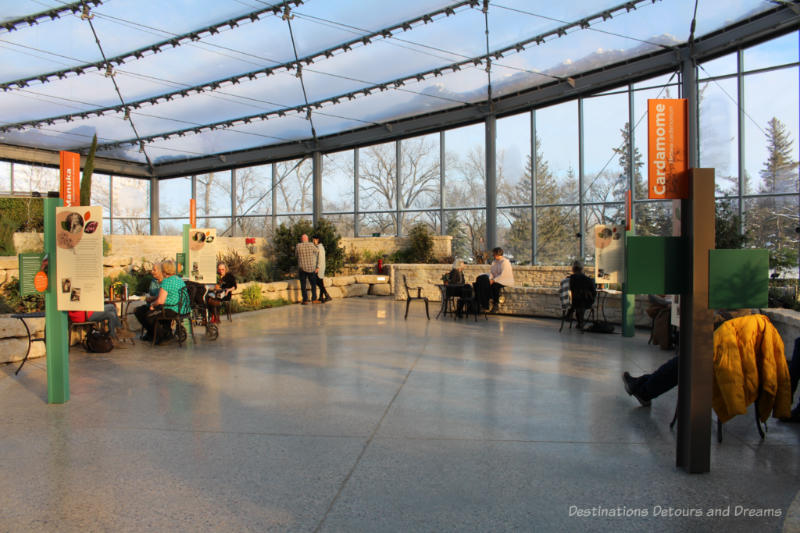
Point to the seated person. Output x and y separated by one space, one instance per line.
794 376
659 310
152 293
109 313
583 292
168 298
222 291
456 275
500 275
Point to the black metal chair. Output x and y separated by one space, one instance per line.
417 297
169 316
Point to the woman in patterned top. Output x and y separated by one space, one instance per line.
168 297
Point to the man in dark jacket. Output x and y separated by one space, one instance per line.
583 292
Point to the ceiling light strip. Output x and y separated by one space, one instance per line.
172 42
52 14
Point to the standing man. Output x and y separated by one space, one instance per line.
323 293
500 275
306 267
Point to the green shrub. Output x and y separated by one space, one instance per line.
286 238
9 294
240 266
420 244
251 296
264 272
7 229
26 213
372 257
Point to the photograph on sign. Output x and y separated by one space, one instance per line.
668 164
201 263
79 258
608 251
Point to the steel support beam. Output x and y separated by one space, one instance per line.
581 192
50 158
154 221
534 237
233 202
398 191
356 220
316 188
491 182
442 165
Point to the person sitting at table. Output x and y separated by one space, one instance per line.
500 275
168 298
221 292
152 294
583 292
109 312
456 275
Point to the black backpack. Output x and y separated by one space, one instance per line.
98 342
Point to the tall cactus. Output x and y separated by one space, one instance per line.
88 168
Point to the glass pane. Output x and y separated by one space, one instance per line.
653 218
214 193
173 197
5 177
131 226
778 51
172 226
221 224
293 186
429 219
100 193
131 199
419 171
771 131
605 123
557 135
28 178
556 232
344 224
465 162
514 232
513 160
292 219
722 66
719 133
253 200
377 177
371 223
337 181
460 244
770 223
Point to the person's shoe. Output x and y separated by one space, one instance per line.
306 302
326 298
630 388
316 302
794 418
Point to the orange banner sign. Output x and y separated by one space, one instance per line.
668 161
70 191
193 213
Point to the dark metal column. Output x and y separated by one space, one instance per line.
491 182
398 191
233 202
154 222
740 130
111 205
355 193
696 368
631 153
316 190
443 225
274 198
533 187
581 224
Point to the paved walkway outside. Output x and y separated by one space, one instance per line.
345 417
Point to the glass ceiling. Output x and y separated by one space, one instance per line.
164 81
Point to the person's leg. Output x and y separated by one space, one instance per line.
312 279
663 379
794 365
109 313
580 313
303 291
496 288
323 294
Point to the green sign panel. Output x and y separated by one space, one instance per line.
738 279
180 264
29 265
657 265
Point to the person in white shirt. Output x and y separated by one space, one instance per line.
323 293
500 275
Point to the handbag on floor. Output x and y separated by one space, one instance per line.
98 342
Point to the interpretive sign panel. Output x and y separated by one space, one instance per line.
656 265
79 258
201 256
668 162
608 253
29 265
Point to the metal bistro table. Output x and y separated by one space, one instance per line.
21 317
449 300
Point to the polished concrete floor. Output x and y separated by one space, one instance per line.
345 417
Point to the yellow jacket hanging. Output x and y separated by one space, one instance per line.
745 349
